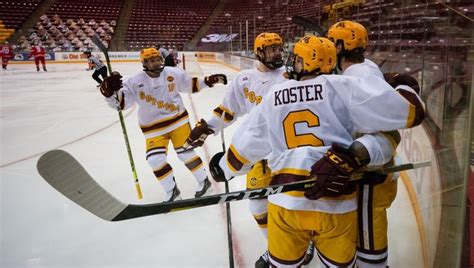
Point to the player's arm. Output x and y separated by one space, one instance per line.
117 93
409 88
250 143
188 84
223 115
377 148
374 106
230 109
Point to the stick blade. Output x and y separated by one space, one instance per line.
64 173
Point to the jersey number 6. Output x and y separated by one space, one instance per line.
294 140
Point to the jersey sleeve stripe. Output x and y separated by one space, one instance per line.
218 112
416 112
234 160
228 117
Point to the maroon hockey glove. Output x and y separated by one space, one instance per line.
396 79
198 134
213 79
333 173
216 171
111 84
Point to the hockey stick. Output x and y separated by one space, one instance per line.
64 173
102 48
228 215
309 25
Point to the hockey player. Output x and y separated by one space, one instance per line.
162 115
98 66
7 54
39 53
351 39
305 127
244 94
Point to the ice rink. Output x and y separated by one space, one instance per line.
62 108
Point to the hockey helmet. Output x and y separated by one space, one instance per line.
312 55
150 66
264 40
149 52
353 35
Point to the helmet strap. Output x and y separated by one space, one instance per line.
157 72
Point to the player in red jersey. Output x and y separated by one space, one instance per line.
6 53
38 52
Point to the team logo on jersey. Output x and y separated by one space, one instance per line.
170 78
253 181
251 96
171 87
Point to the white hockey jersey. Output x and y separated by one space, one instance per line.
299 120
245 93
379 145
160 107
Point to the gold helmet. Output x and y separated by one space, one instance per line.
317 53
352 34
264 40
153 67
149 52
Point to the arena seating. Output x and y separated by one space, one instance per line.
170 23
69 24
14 13
392 28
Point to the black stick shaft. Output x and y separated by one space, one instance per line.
228 215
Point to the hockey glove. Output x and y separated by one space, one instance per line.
198 135
213 79
396 79
332 173
216 171
111 84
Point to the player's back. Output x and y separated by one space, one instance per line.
304 117
364 69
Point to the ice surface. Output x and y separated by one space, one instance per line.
62 108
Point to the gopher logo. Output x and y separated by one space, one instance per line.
170 78
253 181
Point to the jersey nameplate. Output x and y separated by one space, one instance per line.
298 94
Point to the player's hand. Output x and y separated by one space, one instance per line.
397 79
198 135
332 173
111 84
213 79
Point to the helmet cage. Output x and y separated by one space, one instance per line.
270 59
